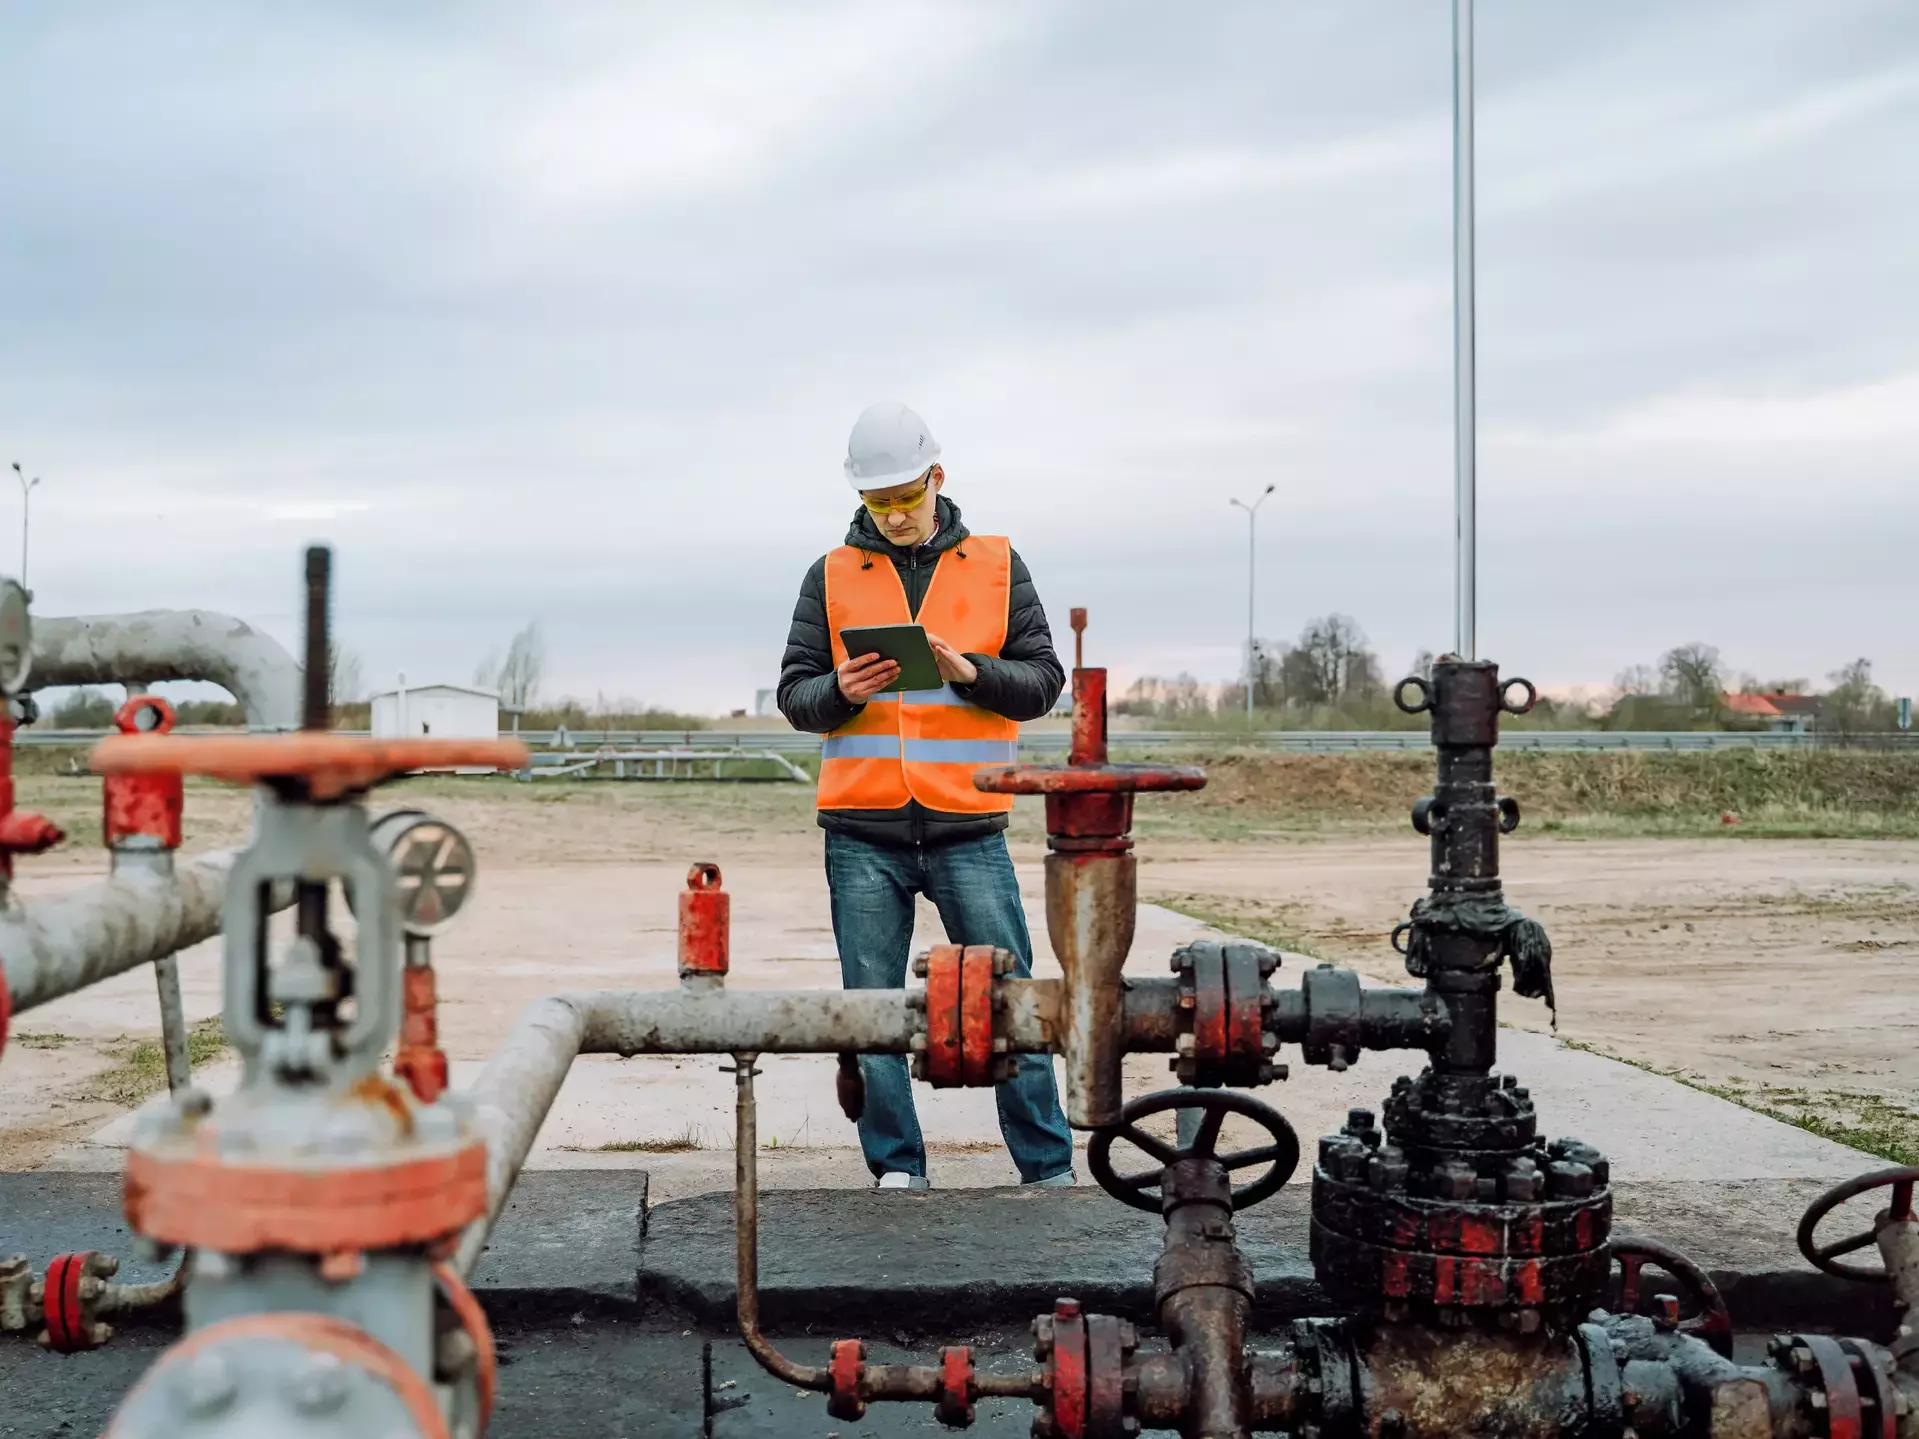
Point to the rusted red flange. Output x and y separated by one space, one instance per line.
958 1387
844 1400
959 1013
68 1315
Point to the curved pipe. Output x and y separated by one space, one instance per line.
523 1078
158 645
54 946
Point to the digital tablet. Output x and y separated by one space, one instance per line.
905 645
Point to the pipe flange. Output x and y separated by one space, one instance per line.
69 1299
844 1399
1394 1228
962 1049
959 1387
1084 1358
1221 1012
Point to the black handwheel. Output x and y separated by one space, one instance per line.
1713 1320
1826 1256
1281 1156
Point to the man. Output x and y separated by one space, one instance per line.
896 795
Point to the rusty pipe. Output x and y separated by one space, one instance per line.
746 1236
52 947
158 645
1091 903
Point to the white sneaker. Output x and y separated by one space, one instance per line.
1063 1180
895 1179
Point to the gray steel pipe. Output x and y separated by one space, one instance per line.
158 645
52 947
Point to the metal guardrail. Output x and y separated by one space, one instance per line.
661 763
1056 741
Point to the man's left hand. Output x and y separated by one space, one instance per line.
955 668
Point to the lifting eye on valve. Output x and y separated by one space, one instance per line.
1146 1189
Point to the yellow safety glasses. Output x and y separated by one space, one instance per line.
899 504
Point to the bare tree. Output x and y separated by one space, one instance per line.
1422 665
1854 702
1693 675
1335 661
517 677
1636 680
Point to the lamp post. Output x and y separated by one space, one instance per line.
27 487
1252 524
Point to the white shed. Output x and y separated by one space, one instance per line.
438 711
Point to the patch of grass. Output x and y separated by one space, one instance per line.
44 1041
684 1142
1774 793
139 1068
1855 1118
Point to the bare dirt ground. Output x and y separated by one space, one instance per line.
1779 972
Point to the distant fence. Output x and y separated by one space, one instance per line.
1046 742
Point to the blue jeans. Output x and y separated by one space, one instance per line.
972 885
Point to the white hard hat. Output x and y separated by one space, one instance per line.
890 445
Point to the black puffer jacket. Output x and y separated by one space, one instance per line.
1021 683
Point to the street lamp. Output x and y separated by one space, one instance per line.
27 487
1252 521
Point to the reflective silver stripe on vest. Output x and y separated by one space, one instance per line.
861 746
962 751
942 696
921 751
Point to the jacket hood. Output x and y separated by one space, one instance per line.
864 533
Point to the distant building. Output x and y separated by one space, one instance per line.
436 711
1788 714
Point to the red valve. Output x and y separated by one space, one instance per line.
143 804
1089 803
419 1060
20 833
706 920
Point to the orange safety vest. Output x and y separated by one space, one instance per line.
920 744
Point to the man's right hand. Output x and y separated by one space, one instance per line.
860 679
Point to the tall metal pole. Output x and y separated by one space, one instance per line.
1252 552
1465 518
1252 571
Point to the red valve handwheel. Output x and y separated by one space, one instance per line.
1713 1321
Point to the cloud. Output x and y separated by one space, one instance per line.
566 313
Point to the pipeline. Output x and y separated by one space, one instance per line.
158 645
54 946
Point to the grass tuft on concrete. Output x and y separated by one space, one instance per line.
139 1068
1858 1119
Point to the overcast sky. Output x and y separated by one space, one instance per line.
565 311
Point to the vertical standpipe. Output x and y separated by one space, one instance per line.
1465 518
